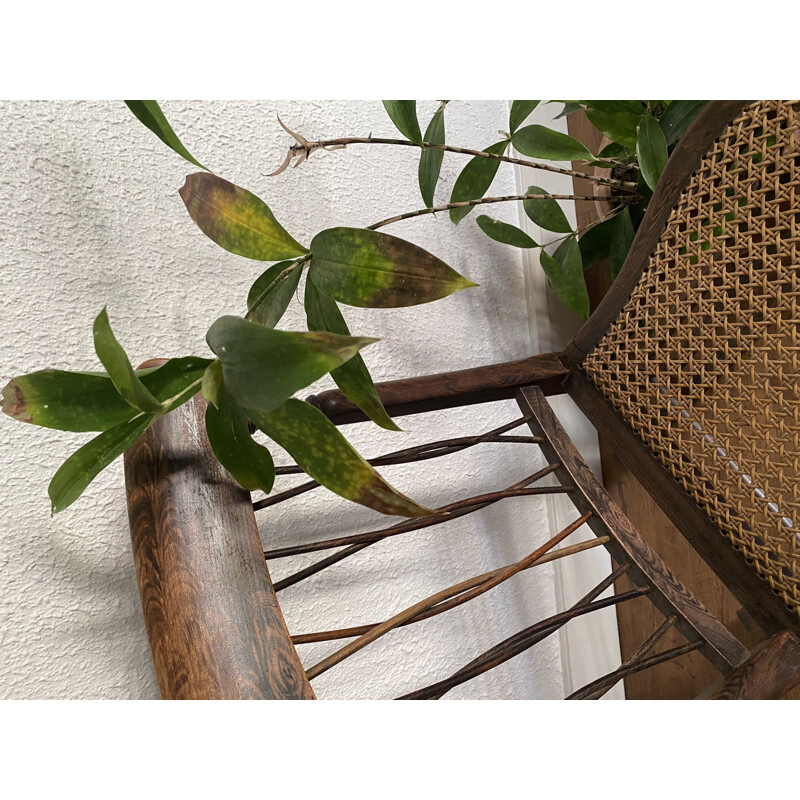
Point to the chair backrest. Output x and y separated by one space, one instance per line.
698 346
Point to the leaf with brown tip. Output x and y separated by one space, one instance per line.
370 269
236 219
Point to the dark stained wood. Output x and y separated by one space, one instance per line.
602 685
450 389
729 564
686 677
770 673
213 622
527 638
694 620
687 154
599 687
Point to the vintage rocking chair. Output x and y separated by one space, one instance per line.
689 369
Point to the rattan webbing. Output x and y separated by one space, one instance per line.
704 360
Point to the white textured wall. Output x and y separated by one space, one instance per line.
91 216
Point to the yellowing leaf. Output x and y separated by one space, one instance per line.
317 445
360 267
236 219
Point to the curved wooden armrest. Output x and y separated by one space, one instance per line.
450 389
213 622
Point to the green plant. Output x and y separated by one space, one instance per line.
258 368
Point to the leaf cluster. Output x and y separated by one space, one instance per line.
258 368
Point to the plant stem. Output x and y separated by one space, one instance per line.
486 200
586 228
307 149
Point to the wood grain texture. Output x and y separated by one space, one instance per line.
670 595
687 154
770 673
213 622
450 389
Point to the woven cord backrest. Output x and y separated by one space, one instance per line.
704 360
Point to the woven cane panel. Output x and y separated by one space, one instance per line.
704 360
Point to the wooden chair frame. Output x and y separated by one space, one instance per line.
212 616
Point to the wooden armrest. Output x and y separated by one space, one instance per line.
213 622
449 389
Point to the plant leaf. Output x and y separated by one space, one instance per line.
505 233
270 295
622 237
83 466
537 141
620 127
520 111
651 150
613 150
213 382
89 401
149 113
229 435
546 213
119 368
570 107
677 118
564 271
430 162
403 114
236 219
263 368
475 179
370 269
321 450
635 107
352 377
595 244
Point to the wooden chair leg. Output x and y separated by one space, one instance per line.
770 673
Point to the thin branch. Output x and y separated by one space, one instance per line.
455 510
525 639
439 597
303 149
424 455
399 456
486 200
421 522
598 688
639 666
348 633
